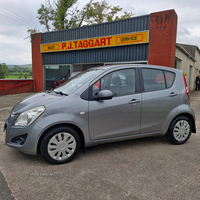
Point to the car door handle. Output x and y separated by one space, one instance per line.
172 94
134 101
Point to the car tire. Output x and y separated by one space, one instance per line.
179 131
60 145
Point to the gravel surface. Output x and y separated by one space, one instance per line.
141 169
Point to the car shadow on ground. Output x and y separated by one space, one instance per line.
108 148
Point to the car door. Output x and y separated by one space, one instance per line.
119 116
159 99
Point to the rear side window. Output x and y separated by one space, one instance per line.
155 79
169 78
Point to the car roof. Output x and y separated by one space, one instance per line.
109 67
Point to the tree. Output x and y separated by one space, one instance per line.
30 32
63 17
3 70
60 14
20 75
45 15
16 67
64 14
100 12
81 16
25 75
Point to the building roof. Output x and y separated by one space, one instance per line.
189 50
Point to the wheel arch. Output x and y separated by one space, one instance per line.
76 128
190 117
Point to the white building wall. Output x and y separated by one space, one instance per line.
197 58
187 65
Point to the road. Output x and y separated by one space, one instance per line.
141 169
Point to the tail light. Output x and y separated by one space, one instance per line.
186 88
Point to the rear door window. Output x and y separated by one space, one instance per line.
155 79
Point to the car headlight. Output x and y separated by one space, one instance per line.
29 116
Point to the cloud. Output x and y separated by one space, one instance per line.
17 16
15 51
186 37
183 31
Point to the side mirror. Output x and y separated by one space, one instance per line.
104 95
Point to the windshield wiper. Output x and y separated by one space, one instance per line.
61 93
49 91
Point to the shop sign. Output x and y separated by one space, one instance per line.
107 41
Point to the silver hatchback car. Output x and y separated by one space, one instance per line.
100 105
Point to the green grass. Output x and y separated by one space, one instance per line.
13 76
17 77
14 73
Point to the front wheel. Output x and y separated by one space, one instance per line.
60 145
179 131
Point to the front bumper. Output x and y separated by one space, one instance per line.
30 135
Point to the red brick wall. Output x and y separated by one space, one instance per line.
16 90
37 66
162 38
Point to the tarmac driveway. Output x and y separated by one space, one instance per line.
145 169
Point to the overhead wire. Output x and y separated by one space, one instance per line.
13 19
19 18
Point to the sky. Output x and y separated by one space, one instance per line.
17 16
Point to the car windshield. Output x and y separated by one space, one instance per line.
76 82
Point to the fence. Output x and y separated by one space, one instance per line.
16 86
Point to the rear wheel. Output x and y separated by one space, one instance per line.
60 145
179 131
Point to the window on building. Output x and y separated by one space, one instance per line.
54 75
190 76
177 63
